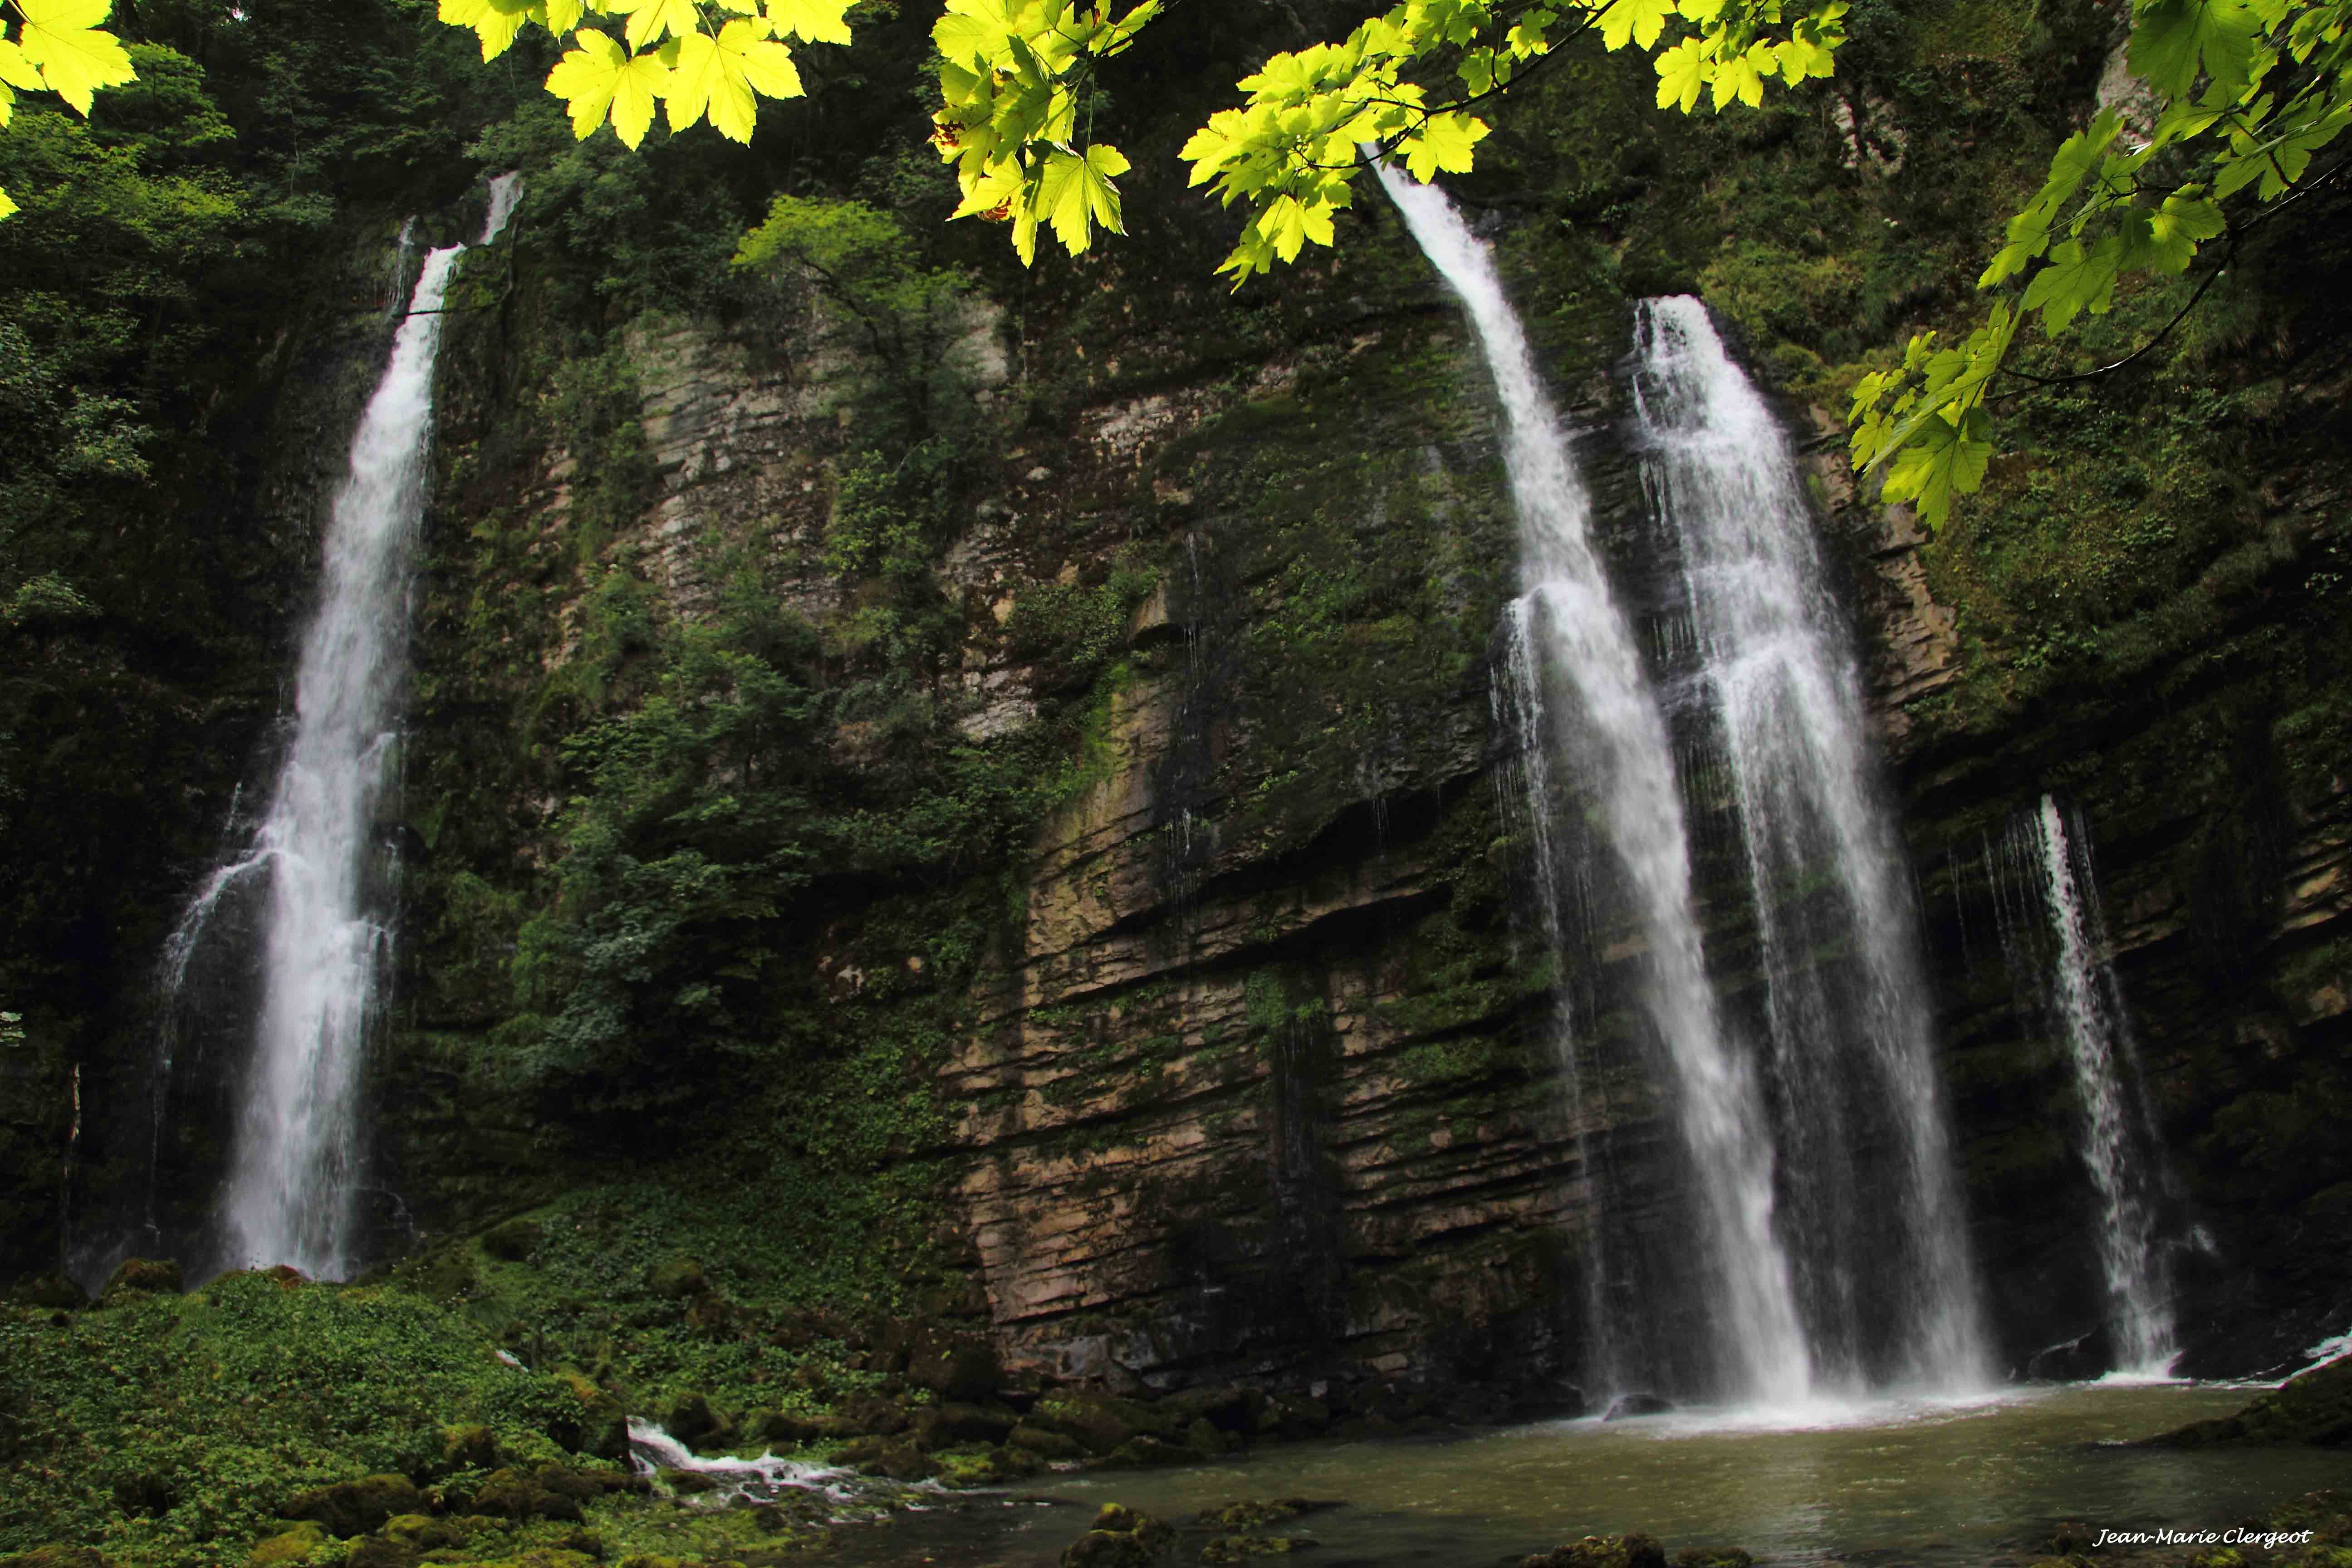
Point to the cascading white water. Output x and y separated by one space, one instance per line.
1845 1002
2087 1007
291 1187
1592 695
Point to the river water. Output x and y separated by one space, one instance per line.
1929 1485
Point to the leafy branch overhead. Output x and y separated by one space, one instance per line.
2252 90
57 46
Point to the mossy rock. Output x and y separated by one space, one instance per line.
1146 1453
1099 1424
596 1423
56 1557
550 1491
1601 1551
986 1464
1046 1444
1713 1557
471 1448
143 1277
513 1240
896 1460
2314 1408
955 1424
957 1367
287 1548
677 1279
1240 1548
693 1422
379 1551
1120 1538
50 1293
358 1507
1248 1513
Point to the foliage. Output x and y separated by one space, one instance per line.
695 60
57 46
1017 82
2249 91
158 1427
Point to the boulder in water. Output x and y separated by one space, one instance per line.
2086 1356
1601 1551
1248 1513
1120 1538
1713 1557
1626 1405
2314 1408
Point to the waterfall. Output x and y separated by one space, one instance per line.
1591 700
2084 1004
1883 1275
291 1188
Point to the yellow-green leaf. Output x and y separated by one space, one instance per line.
599 78
61 36
818 21
1682 76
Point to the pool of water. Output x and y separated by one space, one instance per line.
1938 1483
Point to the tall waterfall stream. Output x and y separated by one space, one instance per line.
1785 1228
2074 990
291 1186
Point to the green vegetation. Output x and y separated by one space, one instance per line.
159 1428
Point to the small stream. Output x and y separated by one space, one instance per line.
1926 1484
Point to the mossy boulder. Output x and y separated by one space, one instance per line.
962 1367
895 1459
986 1466
514 1241
2314 1409
1248 1513
1240 1548
143 1277
1098 1422
357 1507
548 1492
1601 1551
1120 1538
1044 1442
677 1279
381 1551
955 1424
693 1422
51 1292
1713 1557
287 1548
471 1448
594 1422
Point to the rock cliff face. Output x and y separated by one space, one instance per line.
1128 926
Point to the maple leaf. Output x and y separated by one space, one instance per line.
727 76
818 21
600 78
76 59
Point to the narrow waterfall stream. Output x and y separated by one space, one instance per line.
1884 1278
1591 700
291 1187
2085 1007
